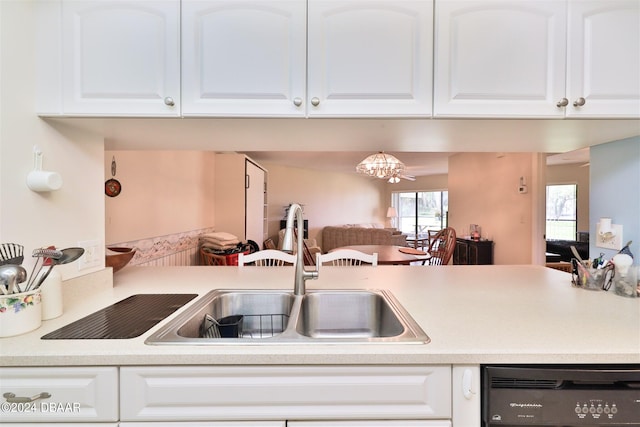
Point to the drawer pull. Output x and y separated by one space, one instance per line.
12 398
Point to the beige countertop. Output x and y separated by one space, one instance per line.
473 315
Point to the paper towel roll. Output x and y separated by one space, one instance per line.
39 180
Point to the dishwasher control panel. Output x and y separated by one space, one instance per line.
538 396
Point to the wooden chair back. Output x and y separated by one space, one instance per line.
441 247
346 257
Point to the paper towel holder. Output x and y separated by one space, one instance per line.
40 180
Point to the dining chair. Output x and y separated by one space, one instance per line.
267 258
346 257
208 258
441 247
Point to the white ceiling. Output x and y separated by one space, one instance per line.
417 163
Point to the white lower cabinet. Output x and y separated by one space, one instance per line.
208 424
370 423
45 423
258 393
61 395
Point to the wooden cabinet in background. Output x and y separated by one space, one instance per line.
471 252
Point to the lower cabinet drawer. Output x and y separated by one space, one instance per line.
49 395
285 393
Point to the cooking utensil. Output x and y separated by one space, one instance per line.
11 276
41 254
69 255
11 253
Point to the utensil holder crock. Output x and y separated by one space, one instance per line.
20 313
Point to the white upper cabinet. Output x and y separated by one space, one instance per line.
118 58
528 58
253 58
499 58
370 58
603 70
243 58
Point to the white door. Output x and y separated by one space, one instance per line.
500 58
370 58
254 198
603 70
243 58
121 58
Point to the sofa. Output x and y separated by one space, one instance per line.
336 236
563 248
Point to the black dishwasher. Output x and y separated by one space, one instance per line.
560 395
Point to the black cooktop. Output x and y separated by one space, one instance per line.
128 318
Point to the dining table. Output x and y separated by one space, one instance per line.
390 254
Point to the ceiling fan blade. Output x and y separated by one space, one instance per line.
407 177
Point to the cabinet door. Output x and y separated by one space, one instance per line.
62 394
254 200
370 58
121 58
604 59
165 393
460 253
243 58
499 58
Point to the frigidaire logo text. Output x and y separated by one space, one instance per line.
525 405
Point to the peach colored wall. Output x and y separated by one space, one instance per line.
163 192
328 198
483 190
574 174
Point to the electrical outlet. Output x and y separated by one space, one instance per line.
610 242
92 254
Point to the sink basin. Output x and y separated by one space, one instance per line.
279 317
347 315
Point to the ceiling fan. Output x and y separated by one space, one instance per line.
395 178
385 166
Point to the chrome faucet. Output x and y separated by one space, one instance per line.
302 275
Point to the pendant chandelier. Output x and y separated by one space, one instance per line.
380 165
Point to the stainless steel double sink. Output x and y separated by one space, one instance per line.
278 316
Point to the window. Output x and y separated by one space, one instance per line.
421 211
561 212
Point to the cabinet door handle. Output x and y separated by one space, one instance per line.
297 102
12 398
169 101
579 102
562 103
315 101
